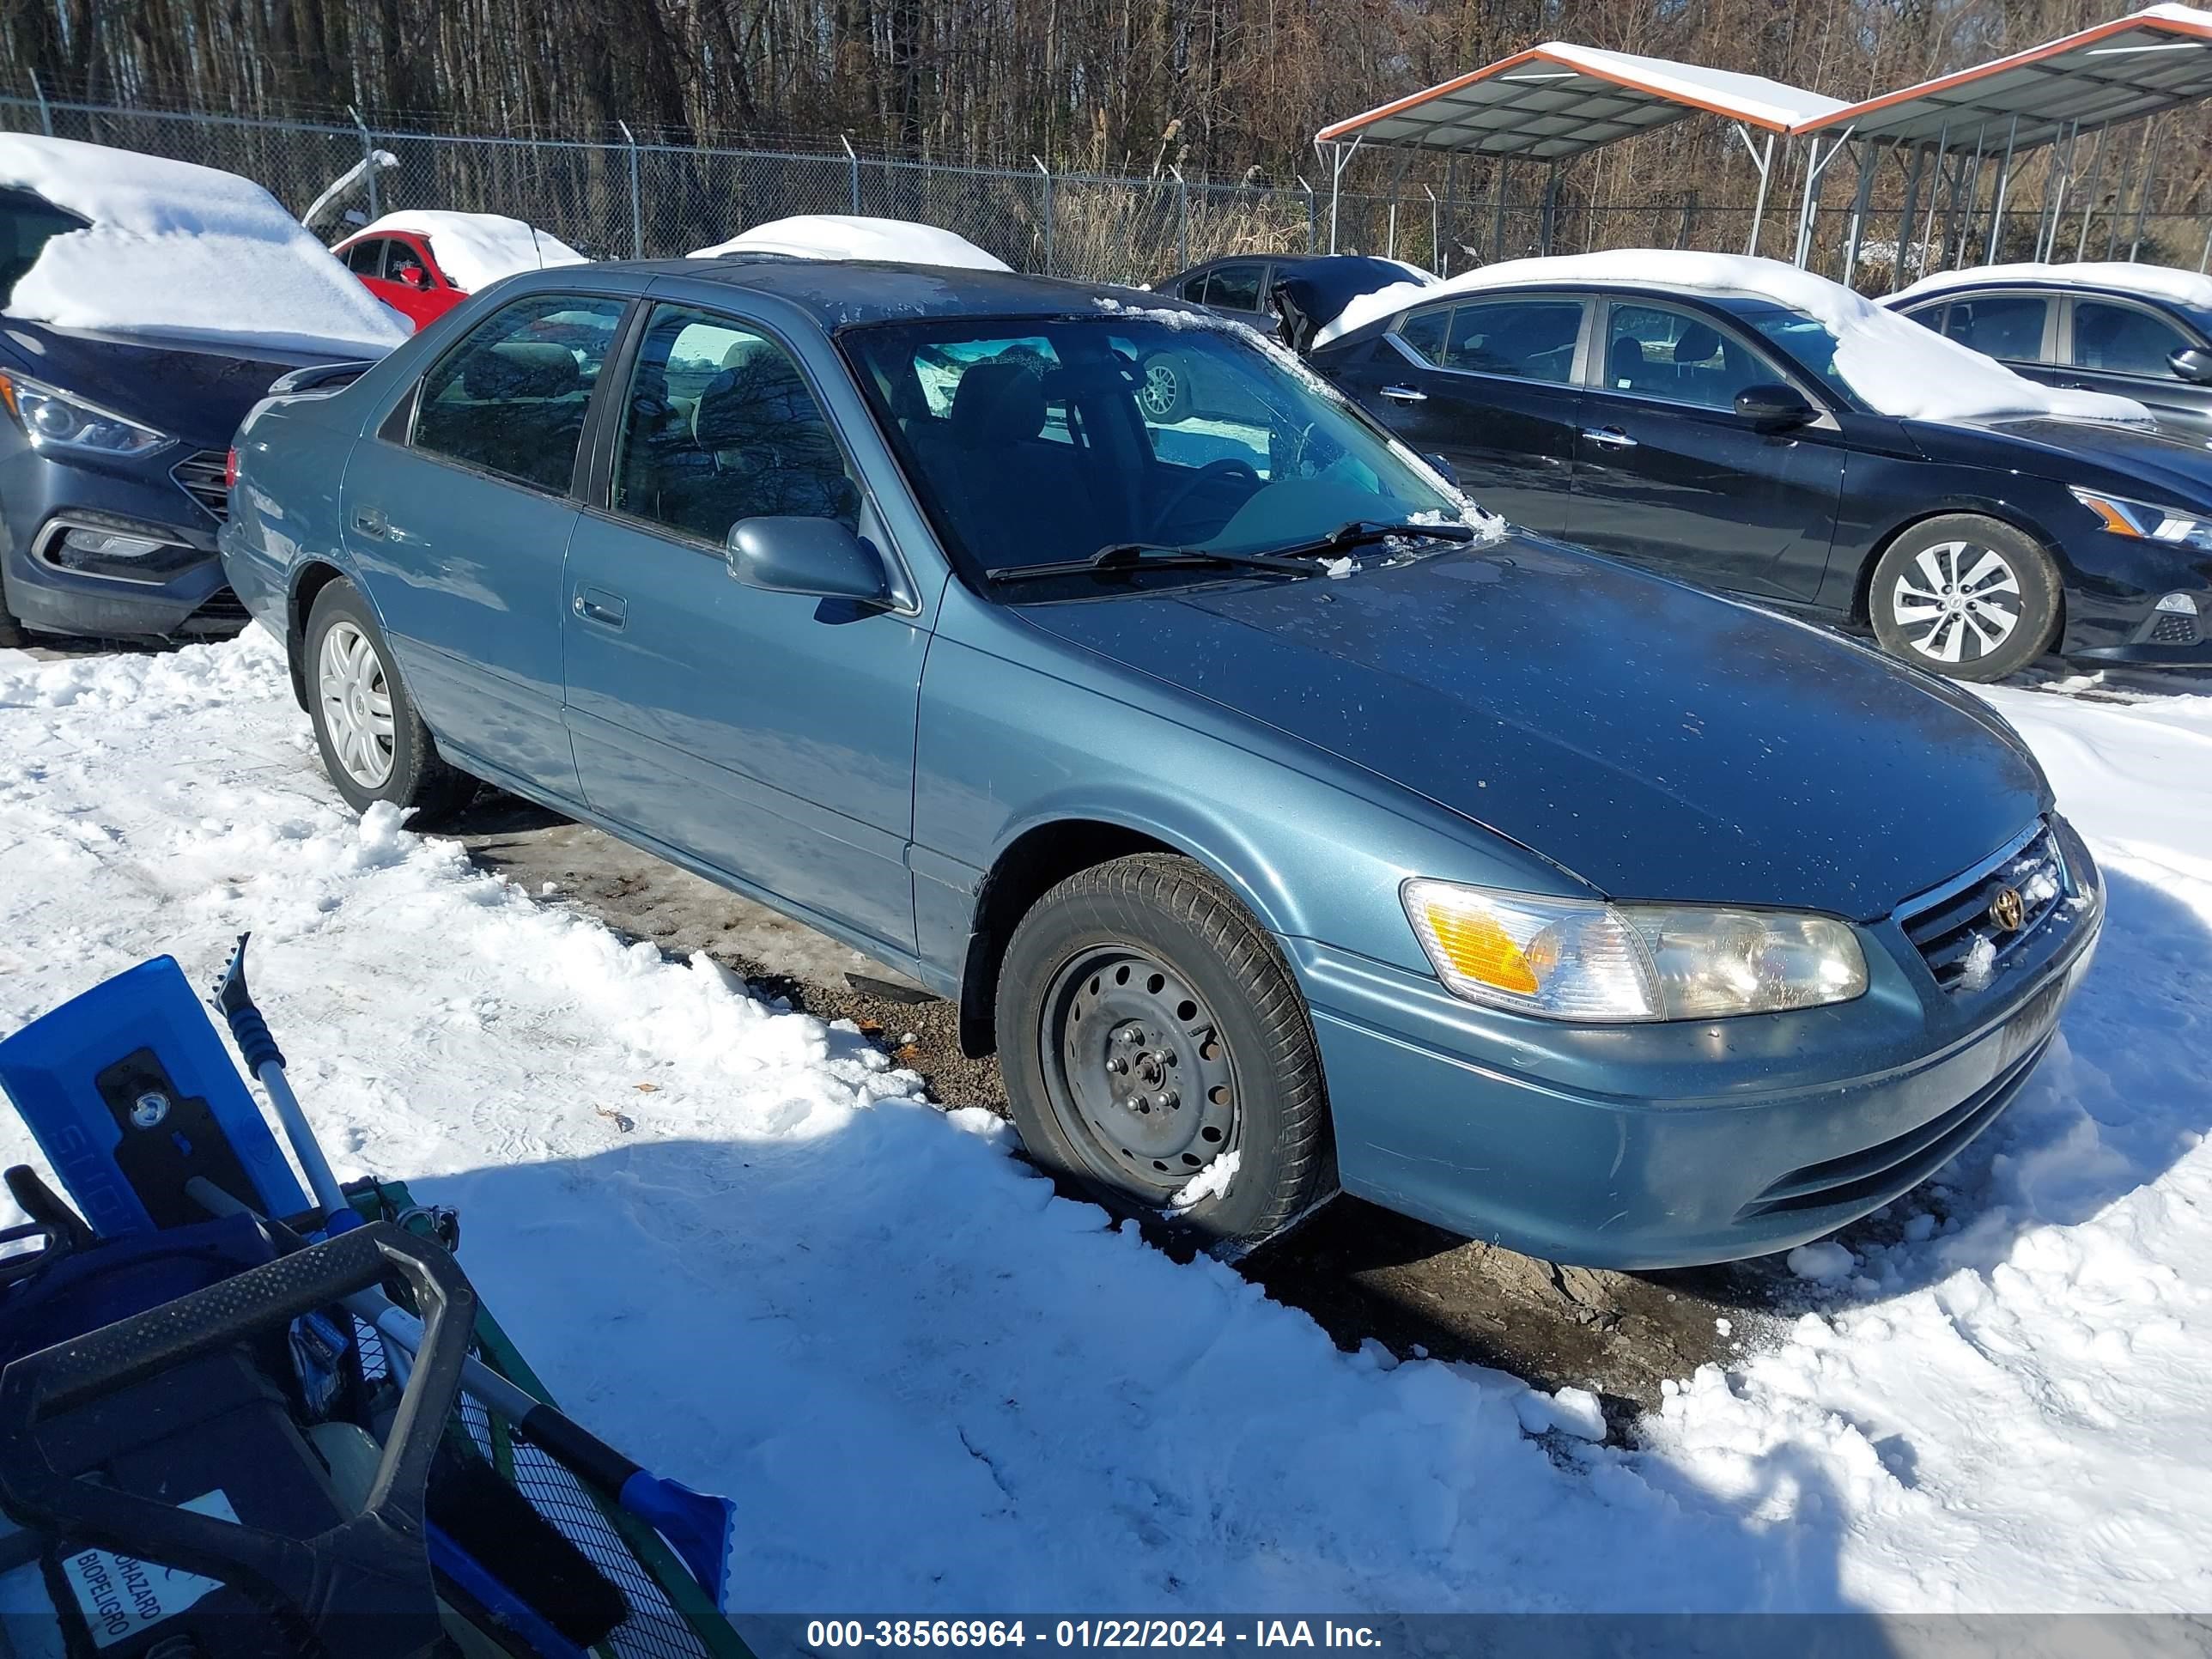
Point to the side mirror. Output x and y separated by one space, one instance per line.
818 558
1450 473
1774 408
2193 364
414 275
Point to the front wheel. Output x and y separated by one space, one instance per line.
1164 389
1157 1054
374 746
1969 597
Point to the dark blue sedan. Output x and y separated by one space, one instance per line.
1286 824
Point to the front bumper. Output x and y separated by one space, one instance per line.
1663 1145
41 497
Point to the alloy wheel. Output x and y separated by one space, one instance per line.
357 703
1957 602
1138 1071
1159 392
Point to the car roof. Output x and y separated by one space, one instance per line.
848 293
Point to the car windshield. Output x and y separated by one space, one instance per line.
27 223
1038 440
1808 342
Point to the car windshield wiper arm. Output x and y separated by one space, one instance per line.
1292 560
1128 555
1364 532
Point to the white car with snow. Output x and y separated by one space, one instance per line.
2142 331
1760 430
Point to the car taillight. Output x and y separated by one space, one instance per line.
230 469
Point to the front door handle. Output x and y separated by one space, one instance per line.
370 521
1610 437
596 605
1405 394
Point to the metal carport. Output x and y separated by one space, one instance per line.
1558 100
2048 96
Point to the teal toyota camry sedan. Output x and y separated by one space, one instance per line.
1285 822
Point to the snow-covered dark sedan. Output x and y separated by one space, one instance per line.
1284 821
145 306
1762 431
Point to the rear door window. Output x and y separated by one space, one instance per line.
2003 325
1235 288
1528 339
2121 339
511 398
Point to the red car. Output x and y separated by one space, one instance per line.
423 262
396 266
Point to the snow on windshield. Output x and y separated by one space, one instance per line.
174 249
852 236
2186 288
1895 365
475 250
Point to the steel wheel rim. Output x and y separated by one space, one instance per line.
1138 1075
1957 602
1158 393
356 701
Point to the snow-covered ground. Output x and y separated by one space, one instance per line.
737 1242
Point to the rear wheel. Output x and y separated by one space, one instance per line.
1157 1054
1967 596
1163 389
374 746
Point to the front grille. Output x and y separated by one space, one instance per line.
2173 629
201 477
1952 924
219 613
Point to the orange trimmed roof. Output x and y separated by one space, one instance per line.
1560 100
2124 70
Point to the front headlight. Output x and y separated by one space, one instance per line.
1582 959
56 419
2147 522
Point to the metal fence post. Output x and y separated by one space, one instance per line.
1313 215
1182 218
854 160
368 162
1044 192
637 199
1436 228
45 115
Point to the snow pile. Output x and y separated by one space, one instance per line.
1745 97
933 1384
1897 365
851 236
2184 288
475 250
174 249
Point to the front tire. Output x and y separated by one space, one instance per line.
1163 388
374 743
1149 1029
1969 597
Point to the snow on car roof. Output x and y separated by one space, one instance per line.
475 250
2186 288
1895 365
174 249
855 236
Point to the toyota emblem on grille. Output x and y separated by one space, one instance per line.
2007 912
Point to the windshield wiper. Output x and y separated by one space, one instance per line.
1295 559
1364 532
1127 555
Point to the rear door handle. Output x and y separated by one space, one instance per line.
1405 394
1611 437
370 521
596 605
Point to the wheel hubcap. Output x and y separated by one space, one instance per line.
1137 1071
1159 389
356 702
1957 602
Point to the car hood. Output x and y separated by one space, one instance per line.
197 390
1655 741
2136 459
